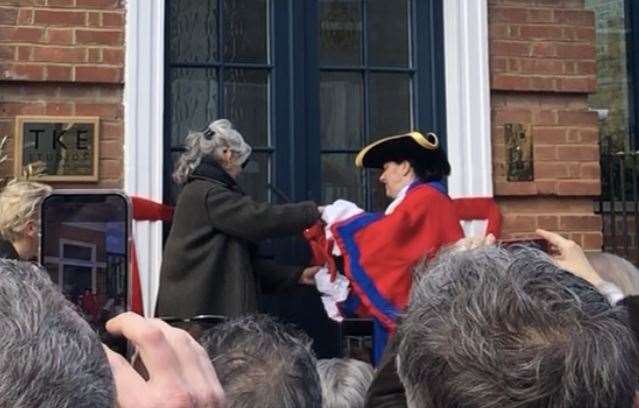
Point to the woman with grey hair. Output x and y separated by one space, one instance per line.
210 263
344 381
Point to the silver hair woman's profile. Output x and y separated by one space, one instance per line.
216 137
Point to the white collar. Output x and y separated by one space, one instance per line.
400 197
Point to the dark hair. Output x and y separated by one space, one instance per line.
430 166
258 359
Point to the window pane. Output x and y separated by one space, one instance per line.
341 111
193 101
77 252
340 32
246 103
379 201
192 31
613 79
341 179
387 32
245 31
390 104
255 177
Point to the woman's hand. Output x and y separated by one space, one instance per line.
570 257
308 275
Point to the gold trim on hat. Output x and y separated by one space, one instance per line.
431 143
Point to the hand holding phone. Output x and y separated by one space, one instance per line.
568 255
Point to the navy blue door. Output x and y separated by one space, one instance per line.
307 83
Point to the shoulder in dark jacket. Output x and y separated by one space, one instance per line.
7 251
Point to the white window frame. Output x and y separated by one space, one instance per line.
61 260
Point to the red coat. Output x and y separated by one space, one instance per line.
380 250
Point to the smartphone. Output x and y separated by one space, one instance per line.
535 242
84 246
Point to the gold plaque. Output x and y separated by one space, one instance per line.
61 148
519 152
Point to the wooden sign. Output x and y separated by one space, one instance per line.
62 148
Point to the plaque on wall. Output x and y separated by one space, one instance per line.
61 148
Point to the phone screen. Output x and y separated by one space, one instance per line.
84 248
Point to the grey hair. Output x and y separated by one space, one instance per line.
615 269
495 328
344 382
261 361
219 135
49 357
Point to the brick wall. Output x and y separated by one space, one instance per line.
543 66
65 57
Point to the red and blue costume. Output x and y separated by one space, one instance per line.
380 251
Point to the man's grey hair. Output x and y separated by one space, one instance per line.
345 382
261 362
49 356
496 328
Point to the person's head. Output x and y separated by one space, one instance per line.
404 158
49 355
399 172
344 382
495 328
219 141
615 269
260 360
20 215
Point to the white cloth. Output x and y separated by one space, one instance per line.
398 200
332 292
611 292
337 291
340 210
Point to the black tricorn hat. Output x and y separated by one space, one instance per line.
411 145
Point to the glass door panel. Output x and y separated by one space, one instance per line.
205 86
192 31
365 89
340 32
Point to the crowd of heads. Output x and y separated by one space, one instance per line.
485 327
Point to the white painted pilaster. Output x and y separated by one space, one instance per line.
468 99
143 131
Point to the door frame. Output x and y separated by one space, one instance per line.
465 25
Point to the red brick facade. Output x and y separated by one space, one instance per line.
543 66
65 57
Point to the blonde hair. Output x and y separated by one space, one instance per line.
219 135
20 204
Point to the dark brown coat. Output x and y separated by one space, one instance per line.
209 264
